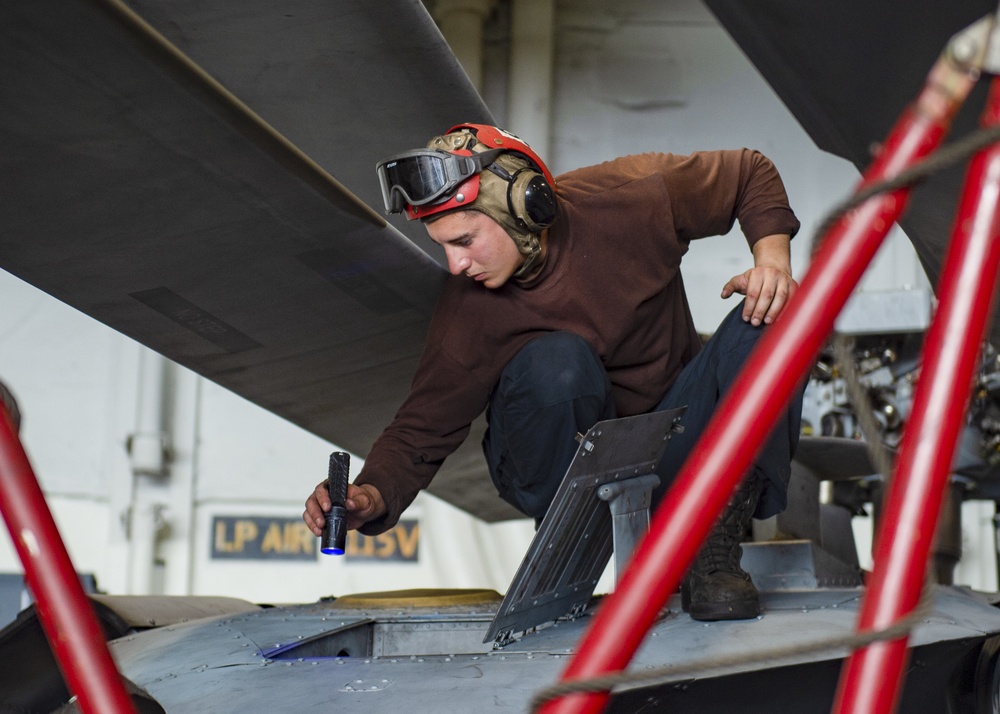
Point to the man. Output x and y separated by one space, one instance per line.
566 307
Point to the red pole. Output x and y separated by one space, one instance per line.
747 414
871 676
64 610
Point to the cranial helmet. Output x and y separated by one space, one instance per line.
475 167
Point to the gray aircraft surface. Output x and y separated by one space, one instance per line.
167 171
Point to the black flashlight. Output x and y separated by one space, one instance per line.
335 531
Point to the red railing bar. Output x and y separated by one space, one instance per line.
747 414
872 675
70 624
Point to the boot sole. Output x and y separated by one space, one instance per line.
714 611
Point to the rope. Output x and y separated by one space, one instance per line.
881 457
605 683
938 161
843 346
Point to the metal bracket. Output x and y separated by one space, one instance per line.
977 47
573 544
629 502
503 639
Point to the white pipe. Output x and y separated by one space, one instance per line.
148 449
532 57
461 23
144 531
147 445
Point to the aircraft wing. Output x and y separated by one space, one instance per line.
847 69
138 192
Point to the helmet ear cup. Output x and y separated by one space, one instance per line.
531 200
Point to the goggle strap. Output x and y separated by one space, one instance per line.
501 172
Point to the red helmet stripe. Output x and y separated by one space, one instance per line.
496 138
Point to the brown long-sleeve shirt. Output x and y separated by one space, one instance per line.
611 275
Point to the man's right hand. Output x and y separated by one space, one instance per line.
364 503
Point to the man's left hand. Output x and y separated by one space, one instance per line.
769 285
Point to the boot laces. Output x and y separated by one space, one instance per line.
722 551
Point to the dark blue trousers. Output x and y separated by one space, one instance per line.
556 387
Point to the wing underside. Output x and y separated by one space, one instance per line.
846 70
204 221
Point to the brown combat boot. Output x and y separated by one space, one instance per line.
716 587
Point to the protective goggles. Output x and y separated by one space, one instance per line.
424 176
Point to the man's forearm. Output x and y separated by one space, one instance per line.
773 251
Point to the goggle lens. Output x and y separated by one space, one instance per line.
425 175
419 178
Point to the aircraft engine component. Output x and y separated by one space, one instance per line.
888 367
985 408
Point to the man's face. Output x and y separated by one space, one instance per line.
477 246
